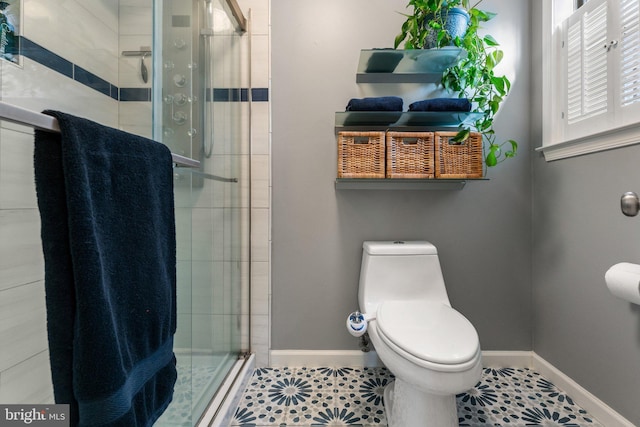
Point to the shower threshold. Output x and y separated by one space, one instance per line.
195 398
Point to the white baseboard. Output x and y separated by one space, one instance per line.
511 359
300 358
516 359
594 406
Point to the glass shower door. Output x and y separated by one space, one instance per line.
199 112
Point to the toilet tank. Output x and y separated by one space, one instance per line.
402 270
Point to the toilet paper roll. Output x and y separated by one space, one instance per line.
623 280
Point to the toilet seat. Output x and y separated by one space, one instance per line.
428 333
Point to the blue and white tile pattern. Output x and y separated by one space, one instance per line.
354 397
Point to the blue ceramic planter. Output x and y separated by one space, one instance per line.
456 23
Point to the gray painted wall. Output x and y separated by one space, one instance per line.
579 232
483 232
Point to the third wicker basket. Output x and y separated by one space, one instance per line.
458 160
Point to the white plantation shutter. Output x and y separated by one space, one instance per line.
629 52
587 70
592 92
574 72
595 62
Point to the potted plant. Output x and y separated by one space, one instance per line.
472 77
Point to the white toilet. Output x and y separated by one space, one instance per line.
432 349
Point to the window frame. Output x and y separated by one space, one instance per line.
555 145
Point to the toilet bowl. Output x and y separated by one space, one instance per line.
432 349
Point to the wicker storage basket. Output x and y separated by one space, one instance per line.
361 154
458 160
410 155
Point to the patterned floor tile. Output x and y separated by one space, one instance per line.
330 396
519 397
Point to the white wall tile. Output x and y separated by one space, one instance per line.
184 296
23 323
259 14
136 20
260 123
105 11
260 165
183 233
260 234
17 187
21 259
260 61
260 192
138 3
208 287
260 339
183 336
144 131
136 114
75 33
260 288
37 88
28 382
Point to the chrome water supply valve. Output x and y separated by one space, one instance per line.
357 323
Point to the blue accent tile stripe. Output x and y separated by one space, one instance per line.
47 58
238 94
135 94
89 79
57 63
260 94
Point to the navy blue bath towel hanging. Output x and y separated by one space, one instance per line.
108 236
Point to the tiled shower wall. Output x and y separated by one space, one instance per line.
85 34
89 35
260 179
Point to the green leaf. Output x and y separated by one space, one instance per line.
490 41
514 149
498 55
494 106
490 62
499 84
462 135
491 159
485 16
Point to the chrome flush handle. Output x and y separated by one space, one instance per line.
630 204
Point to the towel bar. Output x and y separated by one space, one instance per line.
22 116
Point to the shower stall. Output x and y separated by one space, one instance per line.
201 110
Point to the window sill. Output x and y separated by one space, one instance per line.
608 140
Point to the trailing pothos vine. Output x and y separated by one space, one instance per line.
474 76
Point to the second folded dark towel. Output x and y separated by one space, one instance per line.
381 103
442 104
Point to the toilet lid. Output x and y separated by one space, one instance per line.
429 331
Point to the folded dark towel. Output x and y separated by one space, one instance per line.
381 103
108 236
442 104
